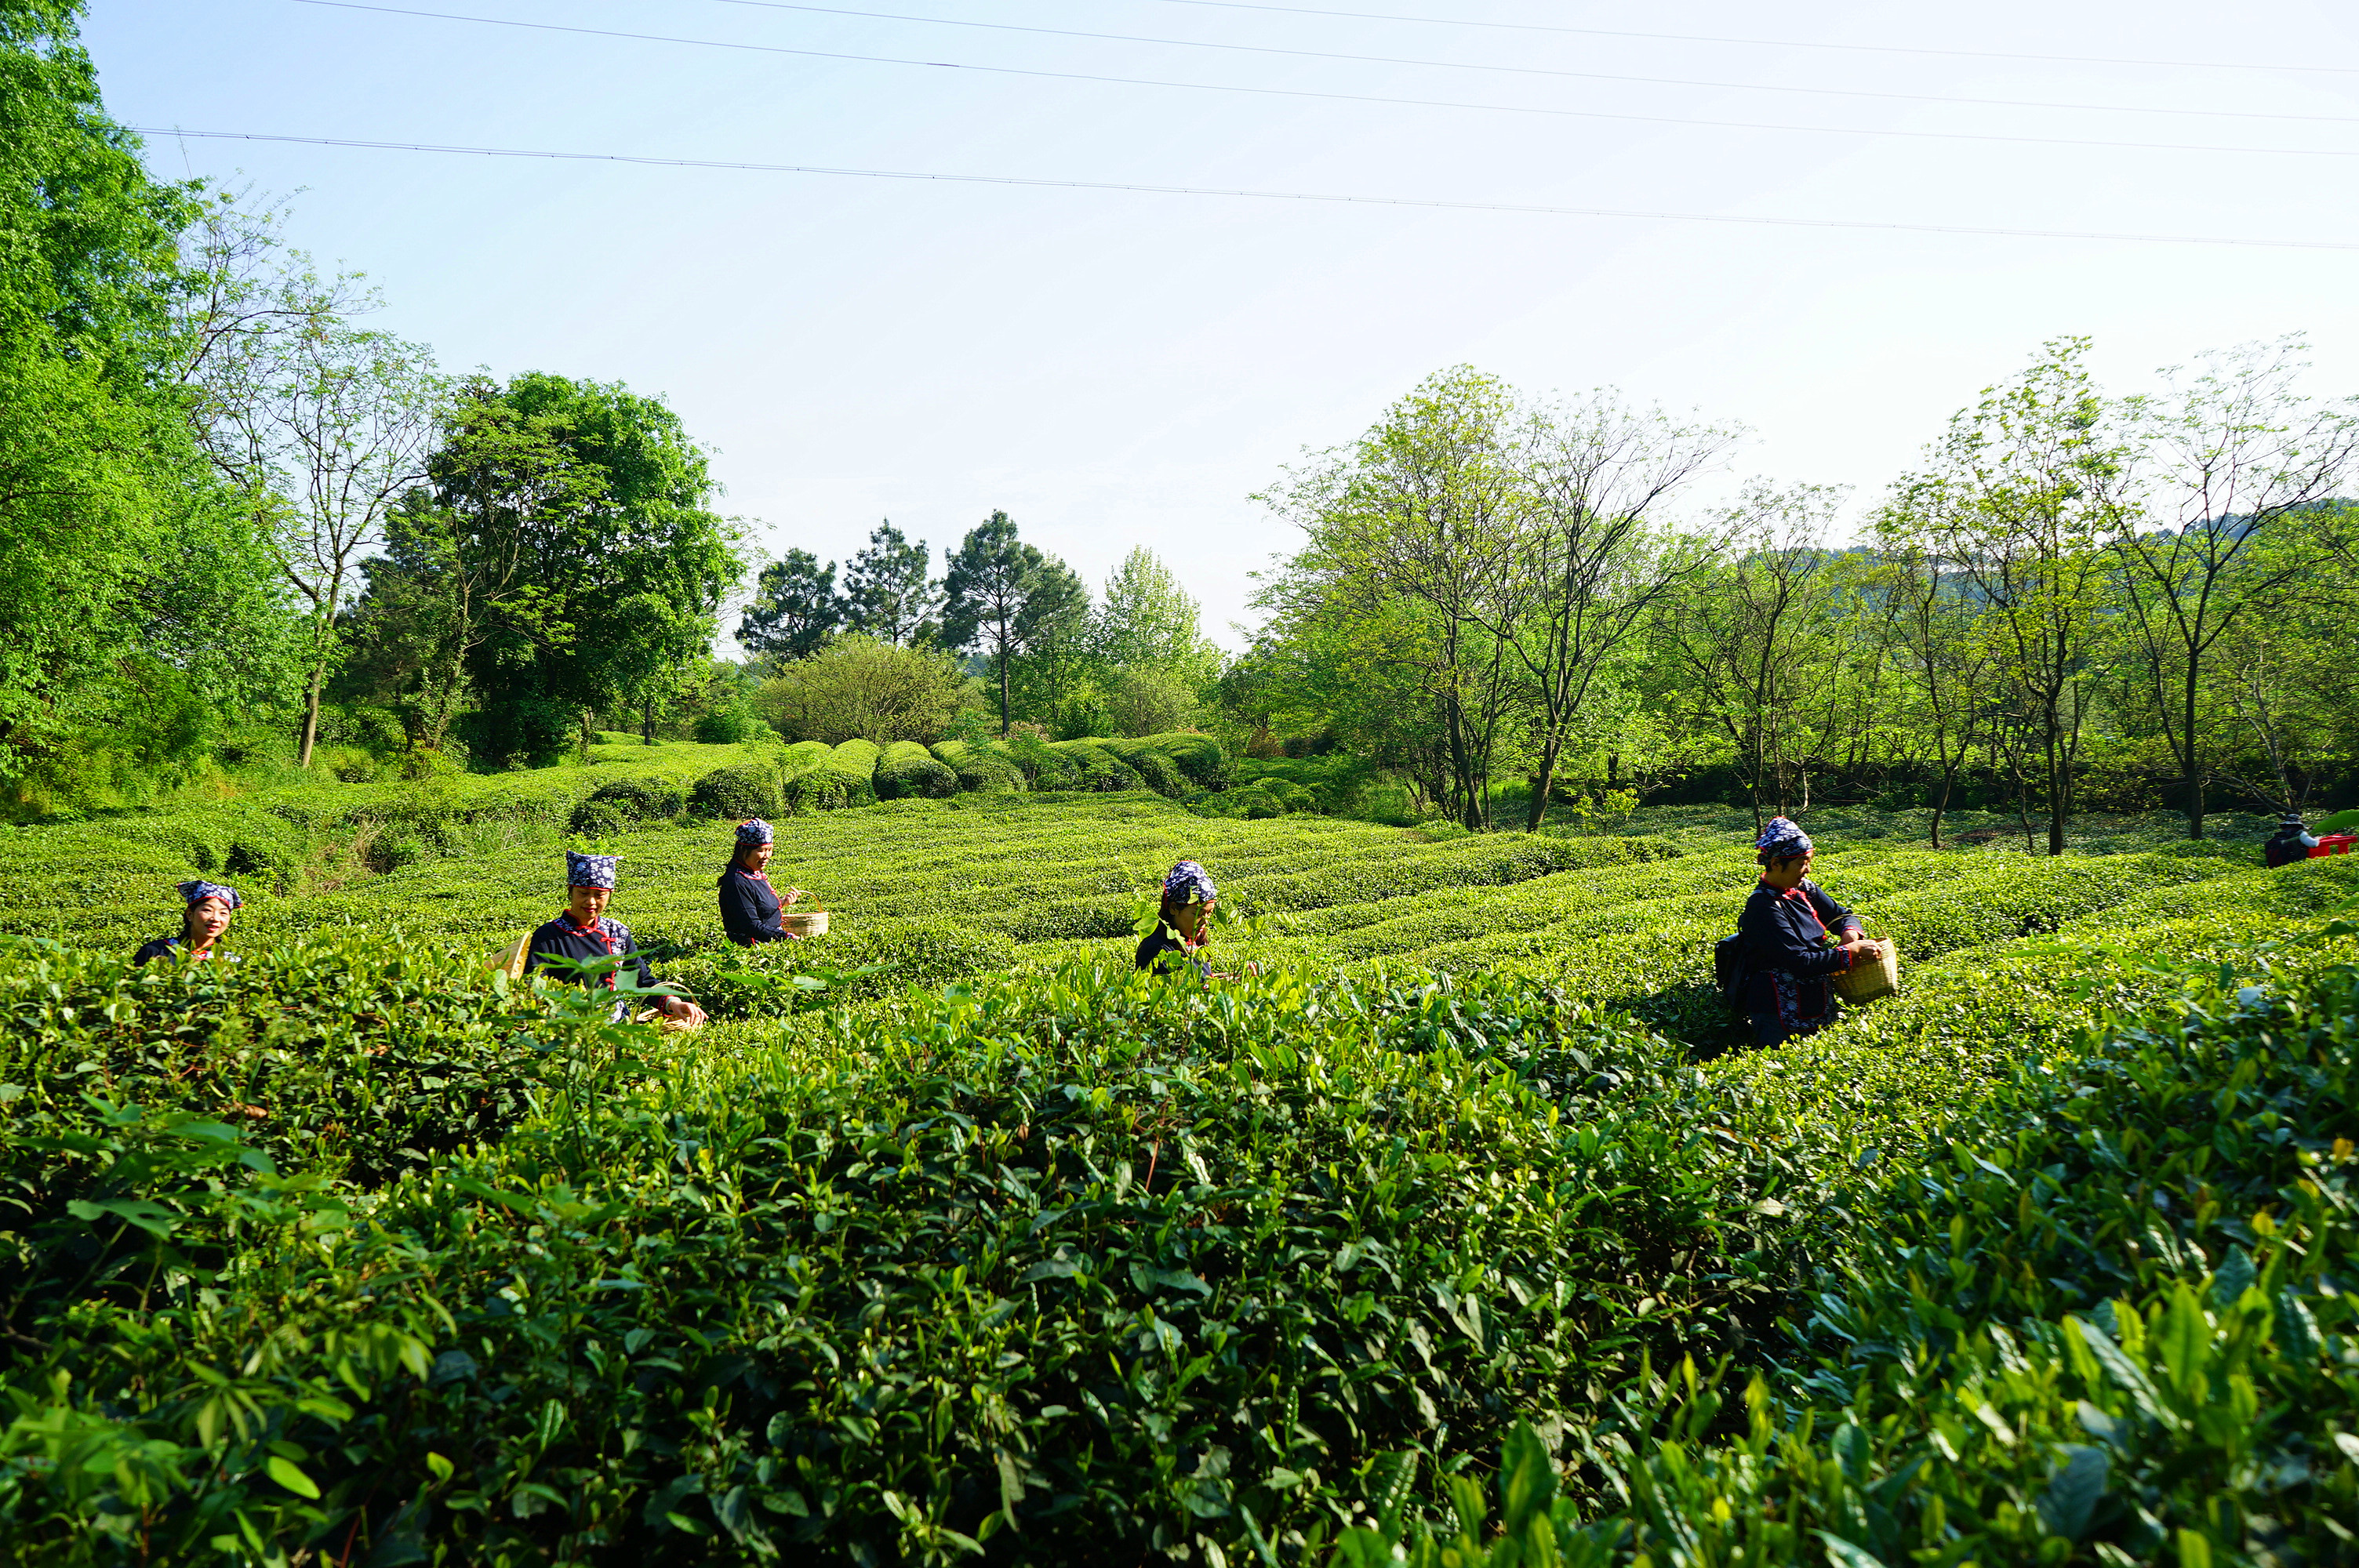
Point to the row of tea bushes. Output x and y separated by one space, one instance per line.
2113 1323
1080 1266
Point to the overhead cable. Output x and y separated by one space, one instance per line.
1036 182
1547 71
1768 43
1305 92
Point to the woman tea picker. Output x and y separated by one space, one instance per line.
1183 924
584 932
202 923
749 906
1786 926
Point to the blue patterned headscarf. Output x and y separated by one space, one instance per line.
1784 838
1191 881
589 871
194 891
754 830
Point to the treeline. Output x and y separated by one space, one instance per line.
1006 637
2076 600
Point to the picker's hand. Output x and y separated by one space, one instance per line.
680 1007
793 893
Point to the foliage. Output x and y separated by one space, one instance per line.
981 769
1004 599
906 769
735 793
888 592
858 688
795 608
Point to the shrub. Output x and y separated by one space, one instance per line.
1201 759
642 800
1063 1189
981 769
1046 766
593 818
906 769
735 792
1095 768
851 768
1154 766
857 687
735 725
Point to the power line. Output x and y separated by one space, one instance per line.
1543 71
1333 97
1041 183
1766 43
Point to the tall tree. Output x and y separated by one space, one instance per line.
1932 627
890 592
2021 496
1004 599
568 552
795 608
1596 560
319 425
1146 619
112 534
1430 507
1751 640
2229 453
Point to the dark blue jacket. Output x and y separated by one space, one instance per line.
1786 949
561 938
749 908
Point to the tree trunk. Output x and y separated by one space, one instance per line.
648 722
311 713
1546 781
2194 762
1004 722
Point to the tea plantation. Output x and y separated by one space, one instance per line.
1450 1230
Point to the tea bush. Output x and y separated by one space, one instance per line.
951 1230
1091 766
1084 1262
981 769
736 794
907 769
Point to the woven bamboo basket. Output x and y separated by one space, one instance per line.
512 956
1868 979
814 924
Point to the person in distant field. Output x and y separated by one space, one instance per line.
2291 842
749 906
584 932
1183 925
1787 923
202 922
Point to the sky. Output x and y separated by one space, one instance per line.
1117 369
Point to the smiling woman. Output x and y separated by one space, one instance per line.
202 923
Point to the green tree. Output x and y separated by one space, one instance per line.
795 608
1004 598
1427 511
890 592
859 688
572 562
319 425
2021 498
124 579
2226 456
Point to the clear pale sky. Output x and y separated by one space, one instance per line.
1120 369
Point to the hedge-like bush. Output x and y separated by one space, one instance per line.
1201 759
906 770
736 794
853 767
1095 768
643 800
984 770
1154 766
